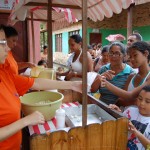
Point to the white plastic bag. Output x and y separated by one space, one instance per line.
90 79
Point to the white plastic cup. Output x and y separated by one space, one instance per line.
60 118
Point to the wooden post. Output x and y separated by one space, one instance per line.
42 34
84 64
29 40
129 21
49 30
33 40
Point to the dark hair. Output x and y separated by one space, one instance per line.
44 47
1 27
138 36
60 68
10 31
99 45
89 47
135 31
42 62
105 49
140 46
121 45
94 44
146 88
77 38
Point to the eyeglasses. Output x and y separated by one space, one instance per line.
129 40
114 54
3 42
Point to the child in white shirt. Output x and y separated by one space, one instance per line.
139 125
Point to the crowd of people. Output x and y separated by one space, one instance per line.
124 86
122 80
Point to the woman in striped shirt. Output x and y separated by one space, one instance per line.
116 72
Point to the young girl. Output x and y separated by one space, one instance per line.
75 60
139 54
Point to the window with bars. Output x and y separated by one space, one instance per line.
58 42
73 32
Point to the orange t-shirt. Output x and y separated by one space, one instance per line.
11 64
11 87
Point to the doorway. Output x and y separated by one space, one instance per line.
95 38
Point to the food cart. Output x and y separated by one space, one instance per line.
110 134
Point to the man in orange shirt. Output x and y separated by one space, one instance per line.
12 86
10 63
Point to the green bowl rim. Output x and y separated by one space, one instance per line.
46 103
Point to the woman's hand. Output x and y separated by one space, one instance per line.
114 107
70 75
109 74
34 118
14 127
31 65
96 84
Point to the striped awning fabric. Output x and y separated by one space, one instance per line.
51 125
60 16
97 10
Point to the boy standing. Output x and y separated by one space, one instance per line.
139 125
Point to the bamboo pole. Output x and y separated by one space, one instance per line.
29 40
84 64
49 30
33 38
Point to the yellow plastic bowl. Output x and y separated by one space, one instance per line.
45 102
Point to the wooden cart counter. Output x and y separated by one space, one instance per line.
110 135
